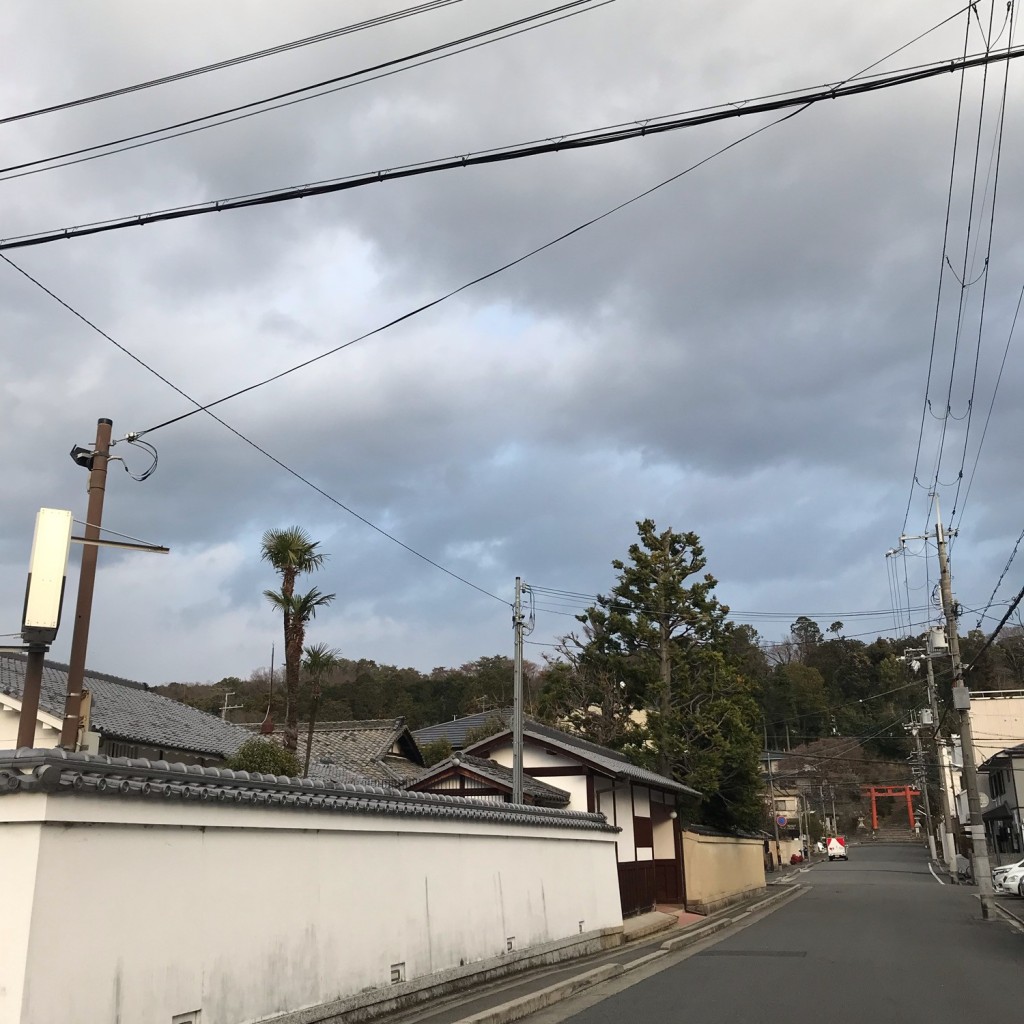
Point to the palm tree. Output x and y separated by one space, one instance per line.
298 609
291 551
320 661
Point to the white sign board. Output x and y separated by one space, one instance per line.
48 566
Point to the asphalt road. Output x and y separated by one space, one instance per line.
875 940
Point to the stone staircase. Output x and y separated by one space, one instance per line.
894 834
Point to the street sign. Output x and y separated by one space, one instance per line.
782 820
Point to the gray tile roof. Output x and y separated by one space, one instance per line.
68 774
455 731
495 773
125 710
355 751
611 762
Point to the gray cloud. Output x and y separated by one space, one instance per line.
742 353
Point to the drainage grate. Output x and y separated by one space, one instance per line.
754 952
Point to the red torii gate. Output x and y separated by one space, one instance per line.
897 791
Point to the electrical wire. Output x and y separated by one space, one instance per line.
583 140
914 482
263 451
270 51
961 307
988 259
350 80
423 307
1002 576
1002 622
991 406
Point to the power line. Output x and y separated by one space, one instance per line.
964 284
252 444
475 281
584 140
302 94
914 482
991 405
984 293
270 51
995 632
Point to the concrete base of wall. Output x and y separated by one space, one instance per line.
712 907
376 1003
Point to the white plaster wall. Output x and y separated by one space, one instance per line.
537 757
19 852
47 732
248 912
624 817
664 839
641 802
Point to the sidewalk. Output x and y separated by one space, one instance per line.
648 937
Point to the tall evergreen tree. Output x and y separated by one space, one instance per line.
668 636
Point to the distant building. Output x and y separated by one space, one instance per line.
1004 813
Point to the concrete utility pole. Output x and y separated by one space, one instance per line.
922 777
517 696
962 703
96 463
771 793
948 841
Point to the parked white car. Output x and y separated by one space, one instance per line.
1000 872
1011 880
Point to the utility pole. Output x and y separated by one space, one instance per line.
771 793
922 777
96 463
835 820
962 703
948 842
517 696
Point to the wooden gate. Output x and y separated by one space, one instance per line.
637 887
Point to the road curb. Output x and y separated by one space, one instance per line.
1015 920
515 1009
644 960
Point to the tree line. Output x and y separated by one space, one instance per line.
654 668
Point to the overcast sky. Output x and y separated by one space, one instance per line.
743 354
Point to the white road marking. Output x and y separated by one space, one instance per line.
935 876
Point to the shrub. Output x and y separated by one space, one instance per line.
257 755
434 753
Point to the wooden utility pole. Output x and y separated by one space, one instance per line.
962 703
97 466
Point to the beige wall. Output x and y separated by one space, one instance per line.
997 722
148 909
721 869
